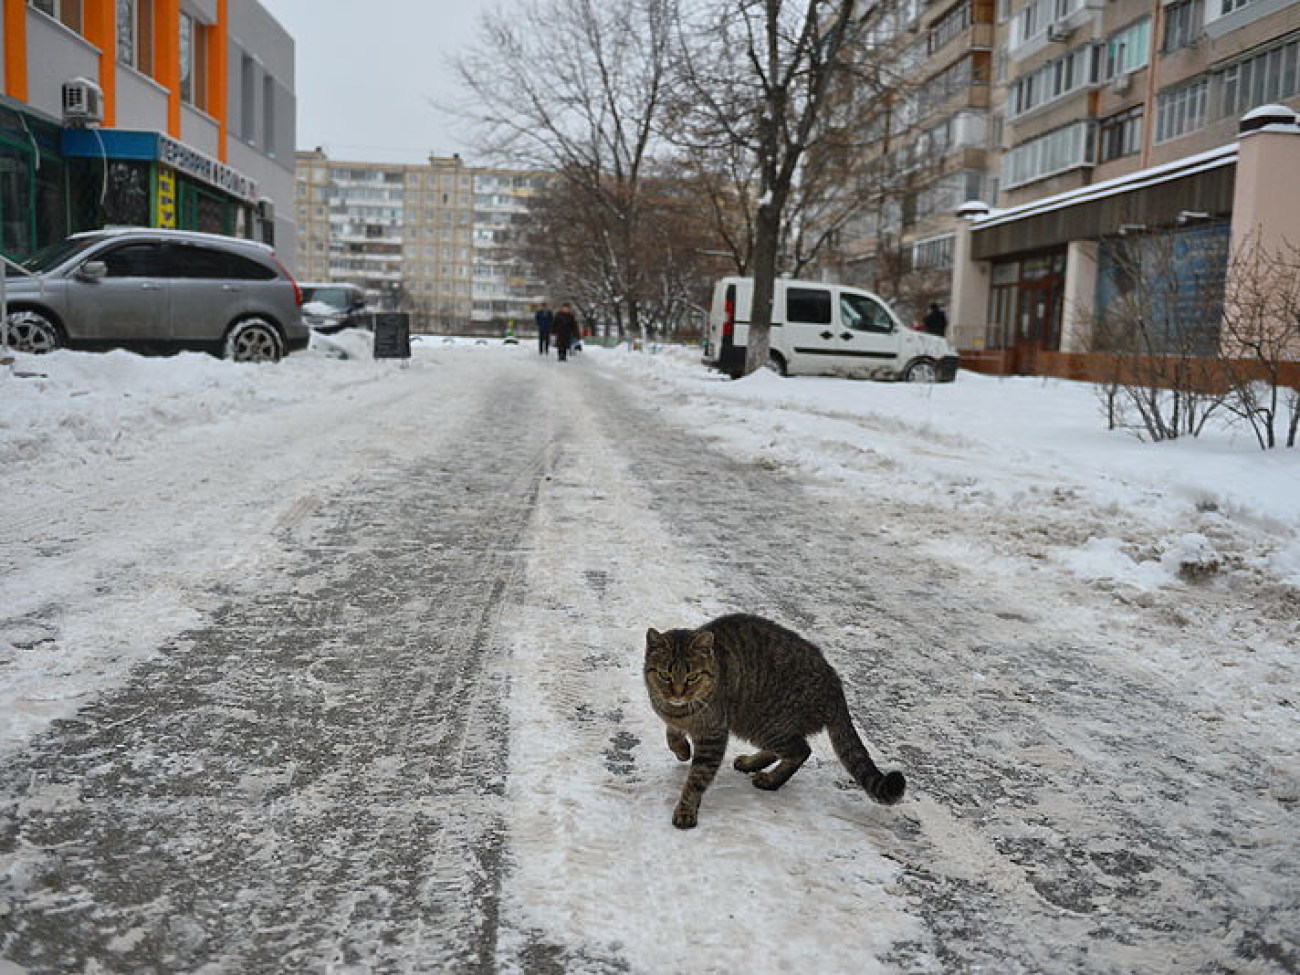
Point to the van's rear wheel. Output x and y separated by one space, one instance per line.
776 362
922 371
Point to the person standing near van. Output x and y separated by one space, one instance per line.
565 327
936 322
544 319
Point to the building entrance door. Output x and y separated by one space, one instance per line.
1038 311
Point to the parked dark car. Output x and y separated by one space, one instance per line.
158 290
334 307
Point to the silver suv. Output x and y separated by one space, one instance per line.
157 290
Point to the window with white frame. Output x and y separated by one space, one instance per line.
1034 18
1269 76
1128 50
934 254
1181 110
1184 24
1058 151
194 61
1055 79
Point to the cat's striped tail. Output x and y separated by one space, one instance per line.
884 787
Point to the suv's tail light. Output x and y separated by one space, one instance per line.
297 291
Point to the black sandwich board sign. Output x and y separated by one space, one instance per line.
392 335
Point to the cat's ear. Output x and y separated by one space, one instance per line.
653 638
702 642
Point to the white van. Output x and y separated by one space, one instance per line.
824 329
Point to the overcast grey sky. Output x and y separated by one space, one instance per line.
366 70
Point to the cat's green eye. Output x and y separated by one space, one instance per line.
693 678
665 676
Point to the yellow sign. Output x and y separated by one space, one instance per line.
166 215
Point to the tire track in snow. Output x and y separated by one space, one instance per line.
314 781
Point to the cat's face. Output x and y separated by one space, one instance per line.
681 670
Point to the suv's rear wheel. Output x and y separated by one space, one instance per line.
28 330
254 340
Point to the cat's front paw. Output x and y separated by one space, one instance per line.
685 817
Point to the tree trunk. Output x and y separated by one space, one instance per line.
767 231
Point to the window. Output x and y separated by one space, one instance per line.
1062 149
1120 135
1054 80
194 62
1184 24
142 260
949 26
1269 76
933 255
248 102
268 115
1128 50
808 305
864 314
1229 6
1181 110
66 12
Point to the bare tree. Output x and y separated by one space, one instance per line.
763 83
577 87
1261 338
1160 333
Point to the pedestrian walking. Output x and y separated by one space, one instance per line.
565 328
936 322
544 320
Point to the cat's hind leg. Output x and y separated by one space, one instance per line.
793 753
756 762
680 744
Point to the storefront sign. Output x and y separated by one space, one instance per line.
166 212
191 162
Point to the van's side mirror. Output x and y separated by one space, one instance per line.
92 270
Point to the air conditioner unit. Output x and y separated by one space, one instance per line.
1120 83
1059 32
83 102
266 208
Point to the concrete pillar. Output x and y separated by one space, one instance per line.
1265 217
968 313
1265 204
1080 295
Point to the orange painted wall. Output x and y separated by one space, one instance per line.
100 27
15 14
167 58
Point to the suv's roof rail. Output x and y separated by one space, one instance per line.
116 229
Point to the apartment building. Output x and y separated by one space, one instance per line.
931 145
162 113
435 239
1122 122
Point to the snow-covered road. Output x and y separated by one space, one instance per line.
386 710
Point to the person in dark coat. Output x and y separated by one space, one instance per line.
936 322
565 328
543 319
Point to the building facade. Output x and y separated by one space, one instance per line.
162 113
1019 111
1121 131
436 240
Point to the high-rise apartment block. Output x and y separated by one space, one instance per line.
1062 126
435 239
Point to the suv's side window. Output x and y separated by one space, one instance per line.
863 314
142 259
808 306
246 269
193 261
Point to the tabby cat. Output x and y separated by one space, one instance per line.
750 677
